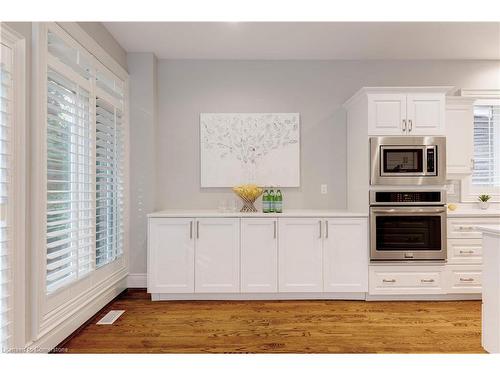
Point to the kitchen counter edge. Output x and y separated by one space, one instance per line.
288 213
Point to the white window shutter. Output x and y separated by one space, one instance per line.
486 146
70 169
6 193
109 172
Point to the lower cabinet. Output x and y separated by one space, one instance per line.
300 255
259 255
345 255
217 255
170 255
406 280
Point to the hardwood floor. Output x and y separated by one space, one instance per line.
282 327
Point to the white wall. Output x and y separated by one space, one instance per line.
315 89
143 123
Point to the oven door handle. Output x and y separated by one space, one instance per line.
408 210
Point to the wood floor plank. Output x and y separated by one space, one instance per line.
282 327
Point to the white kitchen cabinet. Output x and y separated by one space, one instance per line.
406 113
425 114
406 280
217 255
345 255
259 255
300 255
171 255
387 114
459 135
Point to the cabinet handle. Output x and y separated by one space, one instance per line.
410 126
404 125
466 251
326 228
197 229
427 280
320 234
467 280
191 229
274 222
388 280
472 164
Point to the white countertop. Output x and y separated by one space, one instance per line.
473 212
286 213
491 229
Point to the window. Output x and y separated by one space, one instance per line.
6 86
109 170
486 173
11 189
85 157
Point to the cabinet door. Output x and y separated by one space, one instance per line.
217 259
345 255
425 114
459 138
300 255
386 114
259 255
170 255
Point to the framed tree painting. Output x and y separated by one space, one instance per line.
259 148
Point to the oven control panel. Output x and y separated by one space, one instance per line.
407 197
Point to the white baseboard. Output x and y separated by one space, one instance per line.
255 296
424 297
137 280
55 336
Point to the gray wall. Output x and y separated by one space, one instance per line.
143 123
315 89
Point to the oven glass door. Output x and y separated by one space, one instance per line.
402 233
409 161
409 233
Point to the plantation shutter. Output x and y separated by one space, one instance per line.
486 146
70 167
109 169
6 170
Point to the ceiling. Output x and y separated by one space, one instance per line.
310 40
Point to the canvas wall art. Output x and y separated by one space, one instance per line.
260 148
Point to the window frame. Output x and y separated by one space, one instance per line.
49 311
470 192
17 43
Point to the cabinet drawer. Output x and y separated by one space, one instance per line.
466 227
465 250
464 279
406 280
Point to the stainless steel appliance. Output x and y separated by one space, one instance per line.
408 160
407 225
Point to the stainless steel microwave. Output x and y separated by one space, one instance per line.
408 160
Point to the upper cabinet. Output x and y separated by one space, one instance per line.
459 135
406 113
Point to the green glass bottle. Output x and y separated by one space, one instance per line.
272 196
265 201
278 202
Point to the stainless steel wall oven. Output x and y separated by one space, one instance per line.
407 225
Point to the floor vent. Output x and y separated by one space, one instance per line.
111 317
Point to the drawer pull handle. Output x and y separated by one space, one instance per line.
467 279
466 251
466 227
427 280
388 280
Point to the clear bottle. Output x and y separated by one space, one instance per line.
265 201
278 202
272 197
